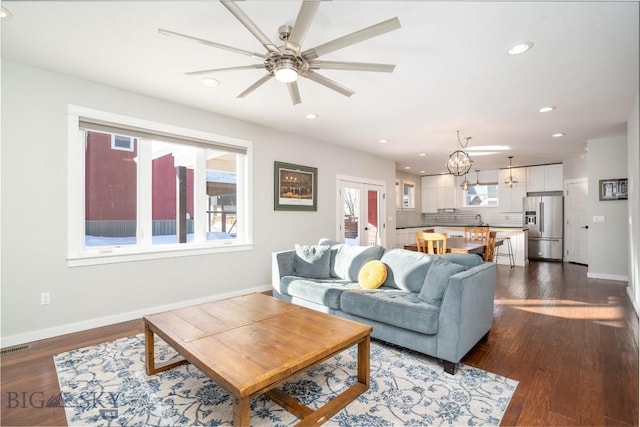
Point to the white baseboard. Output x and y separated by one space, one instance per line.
591 275
117 318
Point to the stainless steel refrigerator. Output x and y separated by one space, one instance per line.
544 215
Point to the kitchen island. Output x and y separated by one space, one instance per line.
518 236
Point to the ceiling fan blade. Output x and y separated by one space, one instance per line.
355 66
307 12
294 93
311 75
250 25
210 43
215 70
353 38
255 86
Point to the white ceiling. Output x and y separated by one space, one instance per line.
452 73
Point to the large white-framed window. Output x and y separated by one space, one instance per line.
168 192
482 195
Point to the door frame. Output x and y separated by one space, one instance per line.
340 180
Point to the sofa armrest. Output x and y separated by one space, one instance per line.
281 265
466 313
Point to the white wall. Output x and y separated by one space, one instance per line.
609 241
574 168
633 159
34 210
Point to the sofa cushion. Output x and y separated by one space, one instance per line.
393 306
406 270
437 280
320 291
350 259
372 275
312 261
468 260
334 250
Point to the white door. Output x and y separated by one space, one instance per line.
576 221
360 213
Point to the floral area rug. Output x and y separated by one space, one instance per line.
106 384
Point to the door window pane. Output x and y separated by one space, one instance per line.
373 218
351 216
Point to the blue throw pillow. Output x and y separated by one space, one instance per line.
312 261
437 279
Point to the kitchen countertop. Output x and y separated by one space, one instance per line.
461 226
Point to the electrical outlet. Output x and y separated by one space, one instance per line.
45 298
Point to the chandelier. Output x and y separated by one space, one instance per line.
510 182
459 162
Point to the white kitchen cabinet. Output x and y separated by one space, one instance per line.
535 178
510 198
544 178
438 192
553 178
447 197
429 193
429 200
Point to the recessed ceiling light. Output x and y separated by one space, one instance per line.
383 141
558 135
423 171
311 116
546 109
422 154
208 81
407 167
520 48
4 12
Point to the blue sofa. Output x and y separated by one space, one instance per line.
439 305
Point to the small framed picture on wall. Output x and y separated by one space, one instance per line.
613 189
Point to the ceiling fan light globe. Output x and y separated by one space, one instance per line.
286 74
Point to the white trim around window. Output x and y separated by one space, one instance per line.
78 254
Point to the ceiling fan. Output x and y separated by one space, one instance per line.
288 62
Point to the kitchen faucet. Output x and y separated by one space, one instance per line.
479 219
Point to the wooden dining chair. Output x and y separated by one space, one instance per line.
476 233
431 243
490 248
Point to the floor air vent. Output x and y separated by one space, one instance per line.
15 348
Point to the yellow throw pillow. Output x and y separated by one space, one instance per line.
372 275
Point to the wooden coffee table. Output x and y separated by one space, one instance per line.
251 344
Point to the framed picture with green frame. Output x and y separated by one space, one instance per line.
295 187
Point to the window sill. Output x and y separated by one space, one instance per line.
112 256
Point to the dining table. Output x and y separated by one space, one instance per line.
460 245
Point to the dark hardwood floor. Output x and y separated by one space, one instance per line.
572 343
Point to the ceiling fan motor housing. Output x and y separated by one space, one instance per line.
287 59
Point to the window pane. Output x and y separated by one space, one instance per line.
172 174
110 192
222 217
482 195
